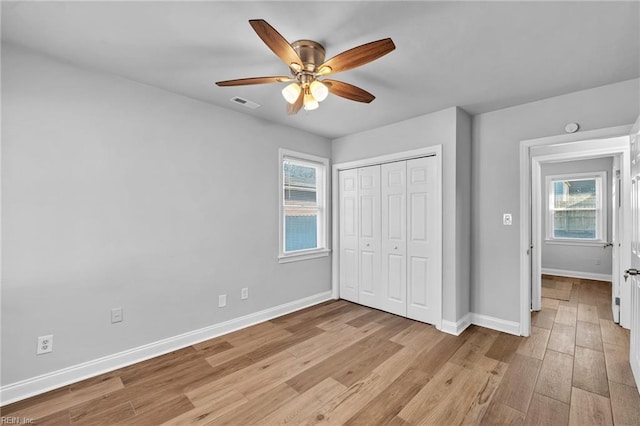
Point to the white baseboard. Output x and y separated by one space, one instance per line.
30 387
498 324
456 328
576 274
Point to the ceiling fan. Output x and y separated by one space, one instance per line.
306 61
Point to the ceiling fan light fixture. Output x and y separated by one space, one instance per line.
318 90
306 62
310 103
291 92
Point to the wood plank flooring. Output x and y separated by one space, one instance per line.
553 288
341 363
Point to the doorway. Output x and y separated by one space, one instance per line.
578 220
612 142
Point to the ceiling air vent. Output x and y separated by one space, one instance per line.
244 102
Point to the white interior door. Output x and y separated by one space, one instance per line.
369 236
615 240
394 242
424 240
632 273
349 235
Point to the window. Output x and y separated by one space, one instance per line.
577 207
303 201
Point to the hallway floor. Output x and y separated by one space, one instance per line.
584 377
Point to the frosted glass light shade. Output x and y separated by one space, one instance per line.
310 103
291 92
318 90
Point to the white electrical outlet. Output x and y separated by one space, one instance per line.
507 219
45 344
222 300
116 315
244 293
597 261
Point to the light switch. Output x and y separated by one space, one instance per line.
507 219
116 315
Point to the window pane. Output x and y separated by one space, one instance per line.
574 224
300 232
302 206
299 184
574 194
299 196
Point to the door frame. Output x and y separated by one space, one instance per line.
533 152
538 216
435 150
634 283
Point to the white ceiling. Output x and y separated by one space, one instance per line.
481 56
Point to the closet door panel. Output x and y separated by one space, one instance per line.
369 236
349 235
423 240
394 230
367 277
395 215
418 210
419 272
367 217
395 290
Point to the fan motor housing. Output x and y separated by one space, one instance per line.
310 52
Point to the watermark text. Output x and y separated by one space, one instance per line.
12 420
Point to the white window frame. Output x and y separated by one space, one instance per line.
322 199
601 208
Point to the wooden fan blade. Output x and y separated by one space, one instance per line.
293 109
278 44
348 91
254 80
357 56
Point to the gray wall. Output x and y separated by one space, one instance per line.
463 212
573 257
452 129
119 194
495 249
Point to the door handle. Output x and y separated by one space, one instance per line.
631 271
607 245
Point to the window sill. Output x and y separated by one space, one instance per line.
592 243
295 257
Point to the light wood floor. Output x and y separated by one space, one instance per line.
341 363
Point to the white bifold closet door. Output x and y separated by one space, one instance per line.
424 240
394 242
369 236
349 235
390 243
